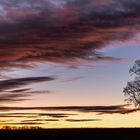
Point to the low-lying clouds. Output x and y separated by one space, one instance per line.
114 109
40 115
63 31
32 118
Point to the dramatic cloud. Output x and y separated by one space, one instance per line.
115 109
64 31
12 89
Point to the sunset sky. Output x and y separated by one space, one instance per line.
65 63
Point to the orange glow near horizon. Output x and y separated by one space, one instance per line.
99 121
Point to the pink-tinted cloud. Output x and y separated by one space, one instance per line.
63 31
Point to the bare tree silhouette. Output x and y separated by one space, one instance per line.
132 89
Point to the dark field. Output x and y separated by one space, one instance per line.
74 134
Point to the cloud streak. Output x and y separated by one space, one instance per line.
114 109
82 120
12 90
35 115
41 120
18 82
